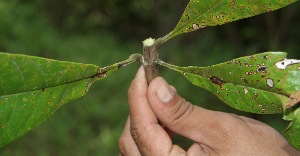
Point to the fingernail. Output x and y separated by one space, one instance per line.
164 92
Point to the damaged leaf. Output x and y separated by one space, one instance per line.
33 88
252 83
199 13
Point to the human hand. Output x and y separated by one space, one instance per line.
213 133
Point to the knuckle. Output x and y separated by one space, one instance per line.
181 112
137 130
136 133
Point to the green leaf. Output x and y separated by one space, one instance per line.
292 133
260 83
33 88
21 112
21 73
199 13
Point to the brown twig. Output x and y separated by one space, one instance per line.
150 54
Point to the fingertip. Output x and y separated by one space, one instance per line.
140 73
140 110
139 84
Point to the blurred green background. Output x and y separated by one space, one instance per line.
103 32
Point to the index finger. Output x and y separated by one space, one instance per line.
149 136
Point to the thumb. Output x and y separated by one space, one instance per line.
196 123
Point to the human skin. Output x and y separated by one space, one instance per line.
213 132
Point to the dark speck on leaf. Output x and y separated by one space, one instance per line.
261 69
217 80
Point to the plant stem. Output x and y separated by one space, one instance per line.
150 54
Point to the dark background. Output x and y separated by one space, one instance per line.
103 32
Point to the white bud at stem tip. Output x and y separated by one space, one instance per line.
148 42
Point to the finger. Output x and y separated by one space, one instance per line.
174 89
149 136
170 133
198 124
127 145
197 149
140 110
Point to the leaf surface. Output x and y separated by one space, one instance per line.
21 73
21 112
33 88
200 13
292 133
259 83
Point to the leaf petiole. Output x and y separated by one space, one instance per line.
105 71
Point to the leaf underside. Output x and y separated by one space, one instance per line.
263 83
199 13
33 88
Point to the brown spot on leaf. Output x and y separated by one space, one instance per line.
217 80
261 68
232 3
294 99
196 26
102 75
246 90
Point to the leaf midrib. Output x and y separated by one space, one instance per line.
90 77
